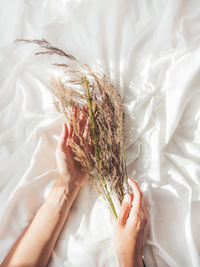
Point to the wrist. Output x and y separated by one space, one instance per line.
125 261
62 195
138 261
67 183
130 261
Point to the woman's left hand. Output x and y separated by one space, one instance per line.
131 228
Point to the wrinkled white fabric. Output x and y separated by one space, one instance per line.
151 51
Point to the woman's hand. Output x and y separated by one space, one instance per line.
131 229
34 247
68 171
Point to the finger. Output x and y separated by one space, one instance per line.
81 122
74 112
65 132
85 108
137 200
124 210
91 147
86 129
76 140
70 131
64 135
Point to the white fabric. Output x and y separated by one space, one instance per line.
150 50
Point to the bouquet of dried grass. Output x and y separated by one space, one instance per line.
106 163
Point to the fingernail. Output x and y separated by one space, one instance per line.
127 198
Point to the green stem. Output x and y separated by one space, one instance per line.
121 180
109 198
124 158
107 194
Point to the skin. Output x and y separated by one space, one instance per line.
34 247
131 228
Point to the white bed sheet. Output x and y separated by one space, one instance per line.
150 50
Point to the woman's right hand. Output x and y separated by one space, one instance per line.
68 171
131 229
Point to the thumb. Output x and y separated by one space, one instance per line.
63 136
125 209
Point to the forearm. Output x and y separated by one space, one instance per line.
35 246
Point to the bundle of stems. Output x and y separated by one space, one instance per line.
81 87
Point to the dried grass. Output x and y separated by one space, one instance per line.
107 163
